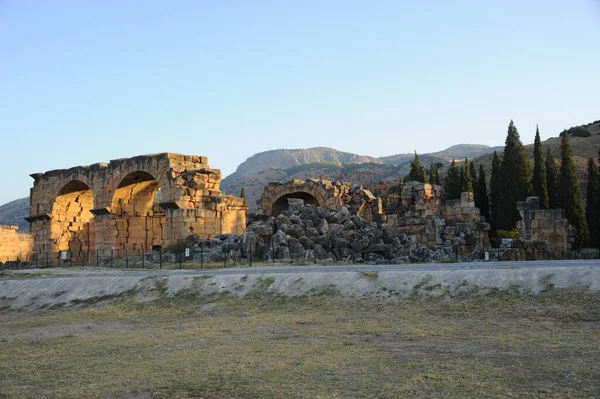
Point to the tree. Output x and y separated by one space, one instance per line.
538 180
515 179
452 182
592 209
466 184
495 190
482 202
243 194
569 196
473 174
417 171
551 180
434 177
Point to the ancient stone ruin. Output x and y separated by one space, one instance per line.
14 245
434 222
549 225
543 234
322 193
134 204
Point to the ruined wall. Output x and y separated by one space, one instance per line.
323 193
549 225
130 204
14 245
434 222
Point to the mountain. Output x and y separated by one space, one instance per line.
353 168
13 213
462 151
326 163
458 151
282 159
257 171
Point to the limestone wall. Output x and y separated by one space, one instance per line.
133 203
548 225
435 222
14 245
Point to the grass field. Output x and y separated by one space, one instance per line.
497 346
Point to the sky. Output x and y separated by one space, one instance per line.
89 81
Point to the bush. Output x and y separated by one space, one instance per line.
177 247
578 132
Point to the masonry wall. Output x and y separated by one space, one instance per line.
548 225
14 245
435 222
131 204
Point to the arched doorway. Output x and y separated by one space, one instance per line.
71 229
138 220
282 203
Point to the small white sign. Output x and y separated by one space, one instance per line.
487 256
63 255
187 252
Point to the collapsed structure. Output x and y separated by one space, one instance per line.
457 223
135 203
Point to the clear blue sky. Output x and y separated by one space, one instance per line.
89 81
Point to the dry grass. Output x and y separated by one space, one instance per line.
499 345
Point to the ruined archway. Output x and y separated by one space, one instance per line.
282 203
316 192
137 218
71 220
137 203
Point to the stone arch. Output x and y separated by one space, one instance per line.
281 204
71 227
137 219
115 181
318 192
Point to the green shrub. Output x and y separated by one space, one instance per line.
177 247
578 131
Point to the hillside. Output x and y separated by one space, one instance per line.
13 213
257 171
357 173
583 149
320 162
458 151
461 151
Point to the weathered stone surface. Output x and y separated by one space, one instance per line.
435 222
544 225
130 204
14 245
348 200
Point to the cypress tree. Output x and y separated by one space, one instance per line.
417 171
515 179
473 174
434 176
592 209
243 194
569 196
551 180
495 190
538 180
452 182
473 171
482 195
466 184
